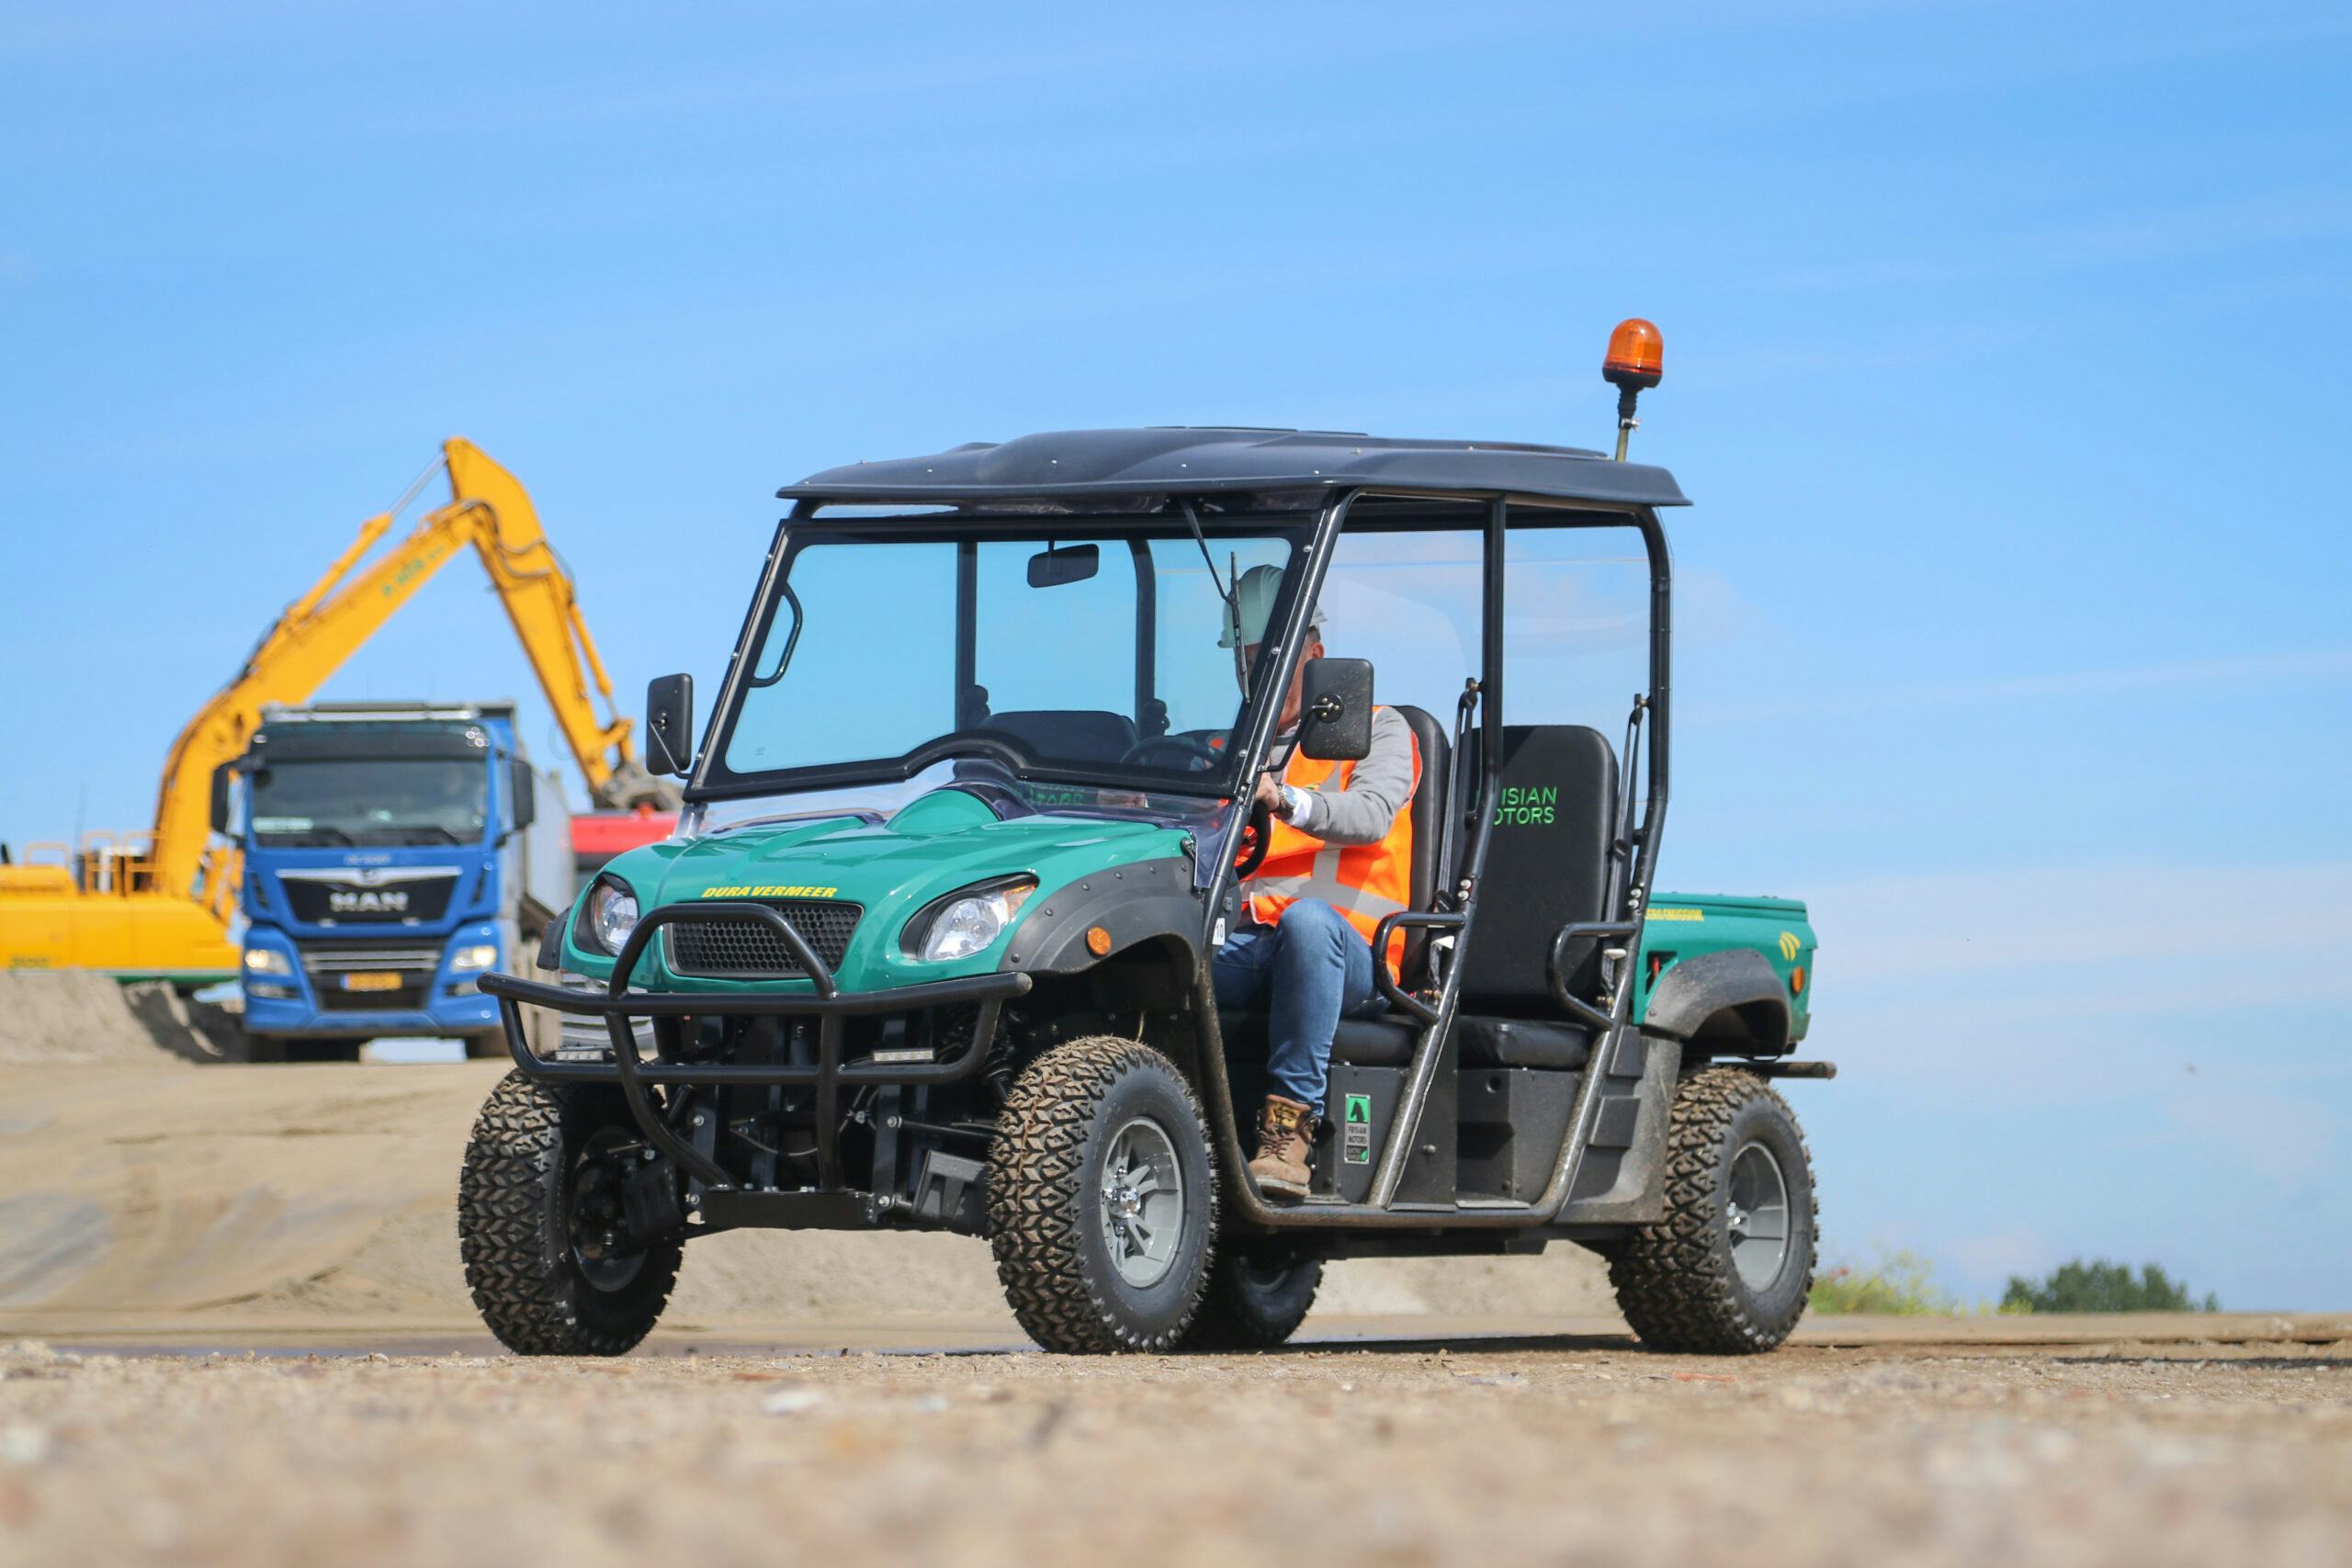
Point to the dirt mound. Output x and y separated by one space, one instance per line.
262 1196
72 1016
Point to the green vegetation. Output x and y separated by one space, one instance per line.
1901 1282
2102 1286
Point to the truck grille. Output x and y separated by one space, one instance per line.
414 963
337 895
736 949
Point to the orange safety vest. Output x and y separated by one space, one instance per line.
1363 882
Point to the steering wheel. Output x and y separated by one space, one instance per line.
1199 751
1257 832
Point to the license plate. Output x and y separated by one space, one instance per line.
372 980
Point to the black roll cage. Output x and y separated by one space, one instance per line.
1633 858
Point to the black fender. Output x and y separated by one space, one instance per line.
1733 999
1147 901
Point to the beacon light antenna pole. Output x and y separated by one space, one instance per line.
1635 362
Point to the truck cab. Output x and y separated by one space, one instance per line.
394 854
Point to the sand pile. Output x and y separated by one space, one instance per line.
251 1196
72 1016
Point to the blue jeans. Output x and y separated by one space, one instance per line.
1307 973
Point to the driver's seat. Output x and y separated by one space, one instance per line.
1067 735
1387 1040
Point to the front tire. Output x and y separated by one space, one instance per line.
1101 1199
1257 1297
1727 1270
539 1169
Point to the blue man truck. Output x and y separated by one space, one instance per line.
394 852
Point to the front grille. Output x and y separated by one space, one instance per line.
414 963
343 958
737 948
338 897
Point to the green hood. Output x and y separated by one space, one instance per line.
943 842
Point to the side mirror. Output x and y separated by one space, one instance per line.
1335 710
522 785
669 725
221 777
1050 567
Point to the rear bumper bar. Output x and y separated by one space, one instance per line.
823 1001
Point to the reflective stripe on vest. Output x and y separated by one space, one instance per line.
1363 882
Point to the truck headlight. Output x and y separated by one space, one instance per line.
479 955
610 915
966 922
266 961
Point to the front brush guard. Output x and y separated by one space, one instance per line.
825 1001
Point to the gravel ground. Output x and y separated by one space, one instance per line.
1898 1449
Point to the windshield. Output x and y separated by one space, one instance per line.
440 800
1090 655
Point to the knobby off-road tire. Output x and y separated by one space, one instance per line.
1257 1297
532 1288
1677 1281
1078 1117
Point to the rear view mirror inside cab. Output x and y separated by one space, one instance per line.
1052 567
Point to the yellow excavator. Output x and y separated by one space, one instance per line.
157 905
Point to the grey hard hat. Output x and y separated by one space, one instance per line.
1253 605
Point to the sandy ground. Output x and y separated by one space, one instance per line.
155 1197
1446 1450
233 1330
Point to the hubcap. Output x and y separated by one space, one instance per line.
1143 1202
1757 1216
593 1212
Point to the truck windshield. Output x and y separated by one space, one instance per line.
1089 655
369 801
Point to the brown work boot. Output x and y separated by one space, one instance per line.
1285 1133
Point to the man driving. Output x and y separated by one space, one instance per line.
1339 858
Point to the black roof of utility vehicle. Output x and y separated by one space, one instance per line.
1072 464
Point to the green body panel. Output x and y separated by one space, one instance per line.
1684 925
949 840
944 840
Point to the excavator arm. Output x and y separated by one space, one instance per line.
489 511
537 592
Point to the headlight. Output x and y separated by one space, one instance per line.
266 961
963 923
481 955
611 915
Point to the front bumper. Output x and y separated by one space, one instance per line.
619 1007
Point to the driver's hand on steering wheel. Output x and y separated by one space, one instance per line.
1269 794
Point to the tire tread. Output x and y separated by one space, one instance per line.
510 1226
1037 1204
1673 1281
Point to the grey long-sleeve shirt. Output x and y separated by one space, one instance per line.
1377 789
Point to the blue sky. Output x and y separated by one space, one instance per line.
2006 353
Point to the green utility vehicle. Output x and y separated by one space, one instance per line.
930 949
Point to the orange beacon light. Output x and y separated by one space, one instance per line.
1635 361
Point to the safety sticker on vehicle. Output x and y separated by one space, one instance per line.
1355 1131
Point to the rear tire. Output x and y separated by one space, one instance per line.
1101 1199
1711 1278
535 1149
1257 1297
